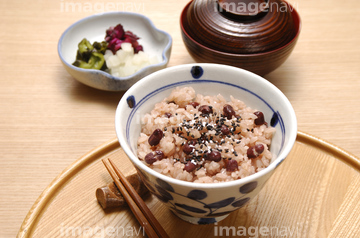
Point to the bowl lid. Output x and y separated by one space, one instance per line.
240 26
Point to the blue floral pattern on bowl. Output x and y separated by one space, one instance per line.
209 212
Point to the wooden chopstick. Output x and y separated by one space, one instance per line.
134 208
141 204
142 213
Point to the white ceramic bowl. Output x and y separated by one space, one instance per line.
194 202
155 42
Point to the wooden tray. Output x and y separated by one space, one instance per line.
314 193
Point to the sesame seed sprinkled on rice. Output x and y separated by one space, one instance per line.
209 145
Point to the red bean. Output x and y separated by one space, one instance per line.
225 130
231 165
167 114
260 118
213 156
155 137
205 109
189 166
255 151
187 148
259 148
154 156
150 158
228 111
194 104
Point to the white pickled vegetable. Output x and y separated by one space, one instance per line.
125 62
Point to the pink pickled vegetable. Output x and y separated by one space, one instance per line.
115 36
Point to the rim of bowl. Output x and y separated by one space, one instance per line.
164 61
126 147
295 13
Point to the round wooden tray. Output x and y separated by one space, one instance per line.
314 193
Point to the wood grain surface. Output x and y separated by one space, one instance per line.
304 198
49 120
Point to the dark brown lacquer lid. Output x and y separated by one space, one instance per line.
240 26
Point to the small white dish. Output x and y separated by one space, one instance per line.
155 42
